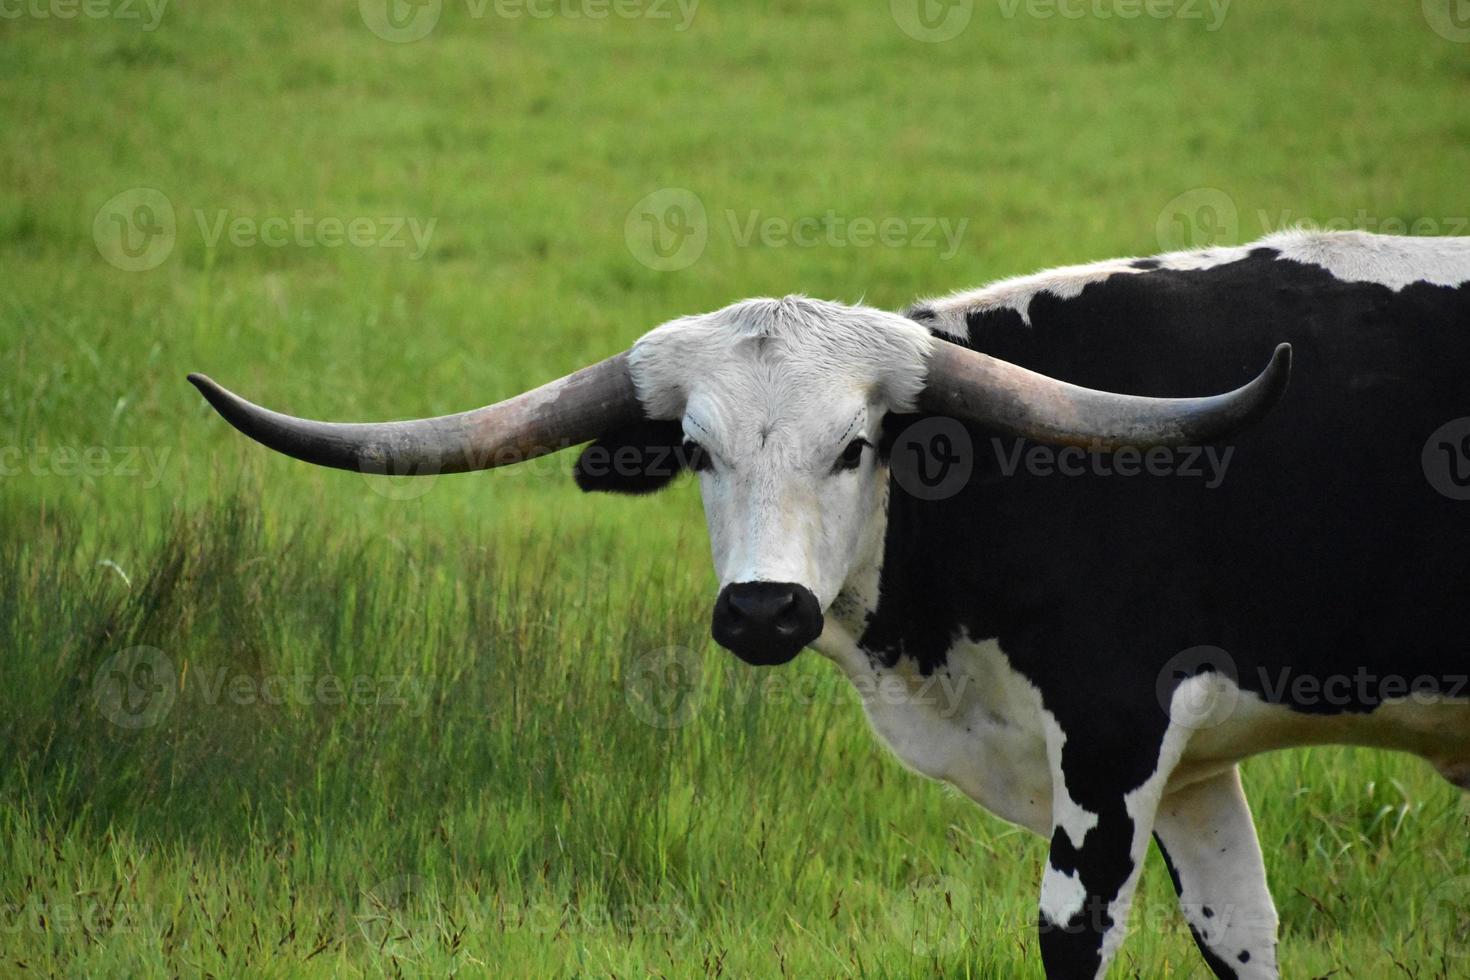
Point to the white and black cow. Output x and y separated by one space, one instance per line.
1188 582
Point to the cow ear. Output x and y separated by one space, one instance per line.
641 458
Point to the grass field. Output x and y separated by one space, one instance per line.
264 719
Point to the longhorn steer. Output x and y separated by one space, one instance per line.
1120 632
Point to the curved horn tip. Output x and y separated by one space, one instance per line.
213 392
1282 356
1279 369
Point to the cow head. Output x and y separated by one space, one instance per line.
777 406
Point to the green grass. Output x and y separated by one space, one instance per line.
409 730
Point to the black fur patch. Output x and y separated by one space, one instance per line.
642 458
1092 583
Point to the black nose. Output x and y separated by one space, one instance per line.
766 623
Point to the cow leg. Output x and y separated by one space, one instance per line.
1208 840
1105 793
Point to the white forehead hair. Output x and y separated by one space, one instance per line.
810 346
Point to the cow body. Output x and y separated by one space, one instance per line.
1086 642
1113 645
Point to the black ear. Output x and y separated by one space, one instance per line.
641 458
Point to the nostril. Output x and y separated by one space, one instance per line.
741 606
784 613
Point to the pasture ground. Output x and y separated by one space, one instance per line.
264 719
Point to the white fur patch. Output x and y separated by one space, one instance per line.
1207 831
775 389
799 347
1352 256
1062 895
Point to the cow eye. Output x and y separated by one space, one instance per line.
852 456
695 456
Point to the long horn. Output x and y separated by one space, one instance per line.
561 413
986 391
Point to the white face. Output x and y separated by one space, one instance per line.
786 399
